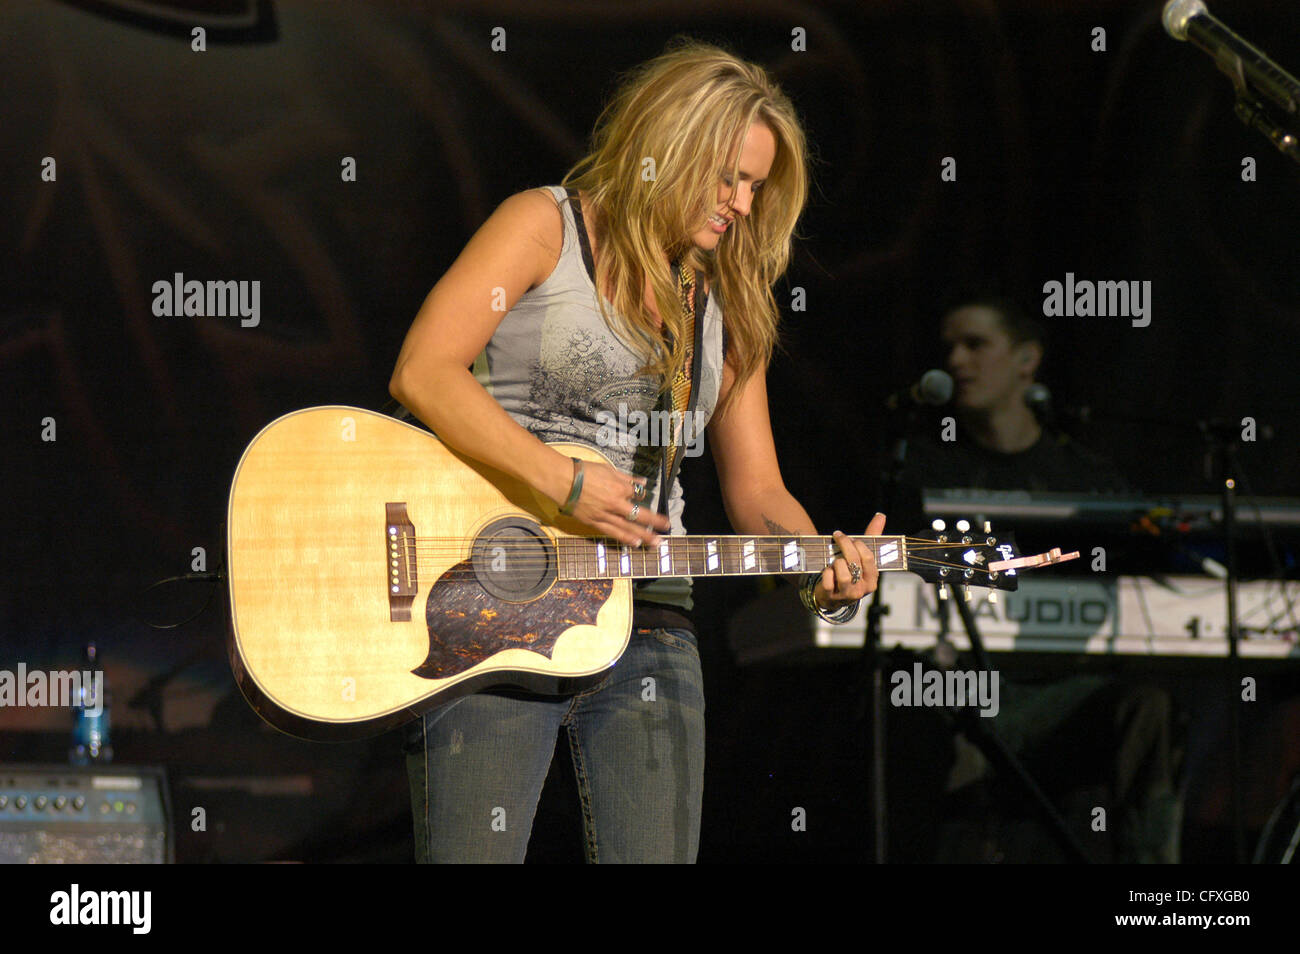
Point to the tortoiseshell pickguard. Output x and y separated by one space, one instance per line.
467 624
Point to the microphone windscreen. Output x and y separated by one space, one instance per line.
1177 13
935 388
1037 395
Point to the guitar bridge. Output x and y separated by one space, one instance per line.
403 579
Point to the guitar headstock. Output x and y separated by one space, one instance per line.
961 555
968 557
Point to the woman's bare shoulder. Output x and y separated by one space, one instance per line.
535 214
534 208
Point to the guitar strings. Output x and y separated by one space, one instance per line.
451 546
537 562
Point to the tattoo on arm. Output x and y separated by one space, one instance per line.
775 529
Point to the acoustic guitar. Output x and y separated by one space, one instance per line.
376 573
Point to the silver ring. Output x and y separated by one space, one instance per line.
636 509
855 572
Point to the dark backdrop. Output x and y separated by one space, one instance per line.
1116 165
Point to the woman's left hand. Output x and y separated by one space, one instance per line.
838 584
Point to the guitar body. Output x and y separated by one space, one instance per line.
376 574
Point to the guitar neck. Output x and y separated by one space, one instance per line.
587 558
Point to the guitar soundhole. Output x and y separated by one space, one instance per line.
514 560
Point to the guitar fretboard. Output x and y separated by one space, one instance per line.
584 558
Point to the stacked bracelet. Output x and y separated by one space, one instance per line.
575 491
807 594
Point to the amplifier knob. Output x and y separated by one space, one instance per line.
41 802
4 802
60 803
78 803
20 802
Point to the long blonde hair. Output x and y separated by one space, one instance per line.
652 175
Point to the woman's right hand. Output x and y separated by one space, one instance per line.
610 497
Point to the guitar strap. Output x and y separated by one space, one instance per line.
673 396
671 461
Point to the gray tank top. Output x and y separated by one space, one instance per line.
559 371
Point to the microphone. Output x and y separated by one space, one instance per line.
1051 418
1039 400
1245 65
933 389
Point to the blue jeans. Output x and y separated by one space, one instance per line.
476 766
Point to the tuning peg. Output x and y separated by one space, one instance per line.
993 596
943 591
988 526
966 592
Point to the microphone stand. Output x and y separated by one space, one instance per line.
1254 113
872 657
934 388
1221 465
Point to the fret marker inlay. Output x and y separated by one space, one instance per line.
791 558
712 562
748 561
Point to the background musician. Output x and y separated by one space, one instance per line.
1089 740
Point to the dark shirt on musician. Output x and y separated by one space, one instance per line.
1054 463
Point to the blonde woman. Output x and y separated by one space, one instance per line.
682 215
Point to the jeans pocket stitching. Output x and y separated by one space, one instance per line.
673 641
